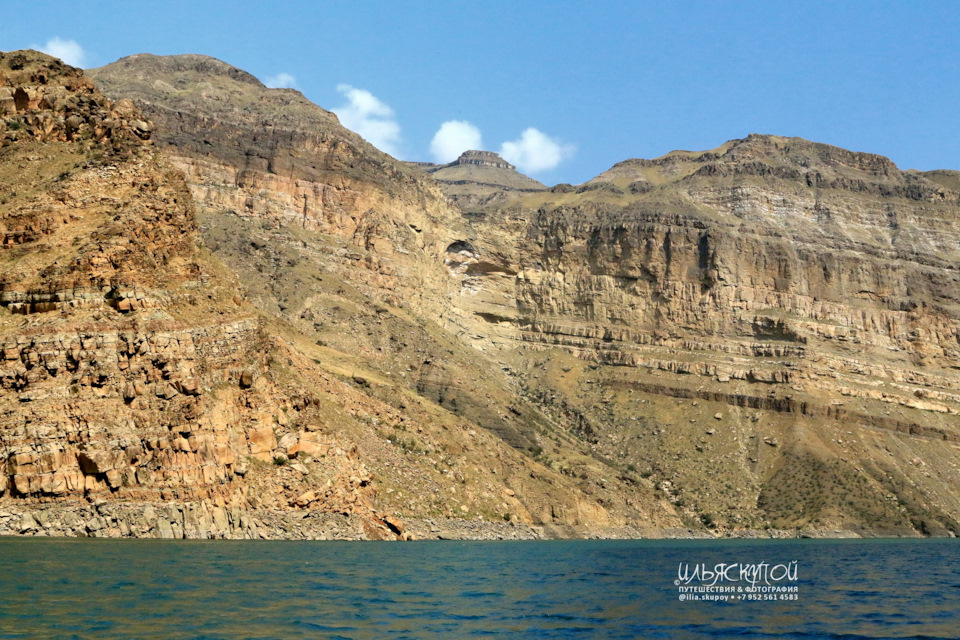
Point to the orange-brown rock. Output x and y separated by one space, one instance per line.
764 280
555 357
271 154
772 274
136 375
127 369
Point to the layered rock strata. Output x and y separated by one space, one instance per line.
764 336
271 154
131 368
138 377
365 275
479 178
815 284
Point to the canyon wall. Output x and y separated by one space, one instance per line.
147 388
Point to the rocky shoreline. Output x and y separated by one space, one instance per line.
202 521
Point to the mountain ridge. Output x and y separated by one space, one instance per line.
761 339
391 249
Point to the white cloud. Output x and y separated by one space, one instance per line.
67 50
282 80
535 151
371 118
453 138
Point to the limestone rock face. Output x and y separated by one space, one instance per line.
106 356
185 396
273 155
130 368
811 285
815 284
242 316
369 268
774 248
483 159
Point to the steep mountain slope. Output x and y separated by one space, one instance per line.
132 369
796 290
270 153
772 325
761 336
142 394
363 278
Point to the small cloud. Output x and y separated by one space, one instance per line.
281 81
67 50
371 118
453 138
535 151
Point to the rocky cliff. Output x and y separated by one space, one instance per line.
796 290
300 385
132 371
271 154
770 329
242 320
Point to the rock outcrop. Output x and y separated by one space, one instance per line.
479 178
815 285
138 377
273 155
241 320
131 368
365 276
58 103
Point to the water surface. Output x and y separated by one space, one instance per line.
153 589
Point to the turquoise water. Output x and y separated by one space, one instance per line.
77 588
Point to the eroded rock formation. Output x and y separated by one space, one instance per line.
817 284
131 367
761 337
141 391
479 178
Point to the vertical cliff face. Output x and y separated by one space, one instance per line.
808 295
111 333
244 306
132 372
359 253
773 241
138 378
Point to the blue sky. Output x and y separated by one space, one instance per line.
566 89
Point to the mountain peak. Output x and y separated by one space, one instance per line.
480 168
141 63
482 159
